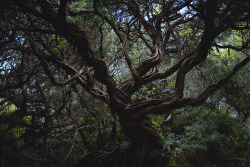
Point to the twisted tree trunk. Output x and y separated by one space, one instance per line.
144 150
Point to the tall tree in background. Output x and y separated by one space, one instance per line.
44 40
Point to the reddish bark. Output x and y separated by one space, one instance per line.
146 148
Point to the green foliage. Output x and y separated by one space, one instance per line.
209 138
237 97
216 135
195 137
5 114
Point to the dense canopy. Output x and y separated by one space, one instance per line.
65 63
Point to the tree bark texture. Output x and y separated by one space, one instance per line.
158 31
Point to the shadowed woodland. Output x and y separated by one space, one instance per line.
124 83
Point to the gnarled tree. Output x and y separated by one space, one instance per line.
39 36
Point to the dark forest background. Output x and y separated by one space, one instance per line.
56 105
